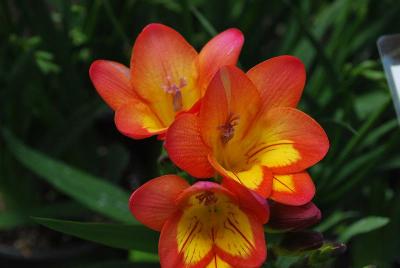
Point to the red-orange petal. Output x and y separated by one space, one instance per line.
112 82
291 142
280 81
223 49
161 60
186 149
293 189
154 202
230 100
135 119
248 199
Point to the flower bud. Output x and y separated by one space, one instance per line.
302 241
293 218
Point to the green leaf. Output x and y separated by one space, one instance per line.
203 21
139 256
15 218
95 193
106 264
124 236
365 225
334 219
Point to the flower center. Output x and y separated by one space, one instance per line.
208 198
228 129
174 89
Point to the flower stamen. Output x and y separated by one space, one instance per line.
175 90
228 129
208 198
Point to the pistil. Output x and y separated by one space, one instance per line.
175 90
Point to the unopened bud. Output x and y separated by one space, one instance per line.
293 218
302 241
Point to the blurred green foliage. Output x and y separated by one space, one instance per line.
48 102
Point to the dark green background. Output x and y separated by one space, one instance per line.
47 102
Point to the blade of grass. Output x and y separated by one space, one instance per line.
365 225
12 219
122 236
117 26
203 21
351 145
321 54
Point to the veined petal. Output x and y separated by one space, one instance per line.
291 141
248 199
256 178
136 120
280 81
211 223
217 262
186 149
242 241
184 243
292 189
112 82
154 202
163 70
222 50
230 104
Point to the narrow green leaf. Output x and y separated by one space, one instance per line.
334 219
124 236
393 163
357 164
139 256
96 194
365 225
15 218
203 21
106 264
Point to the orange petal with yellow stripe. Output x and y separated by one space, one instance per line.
217 262
222 50
292 189
112 82
290 141
137 120
256 178
154 202
248 199
280 81
164 72
186 149
211 226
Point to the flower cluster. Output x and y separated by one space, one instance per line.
240 129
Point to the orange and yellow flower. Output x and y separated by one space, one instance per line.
203 225
249 130
166 77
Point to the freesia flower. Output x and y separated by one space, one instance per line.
249 130
203 225
166 77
